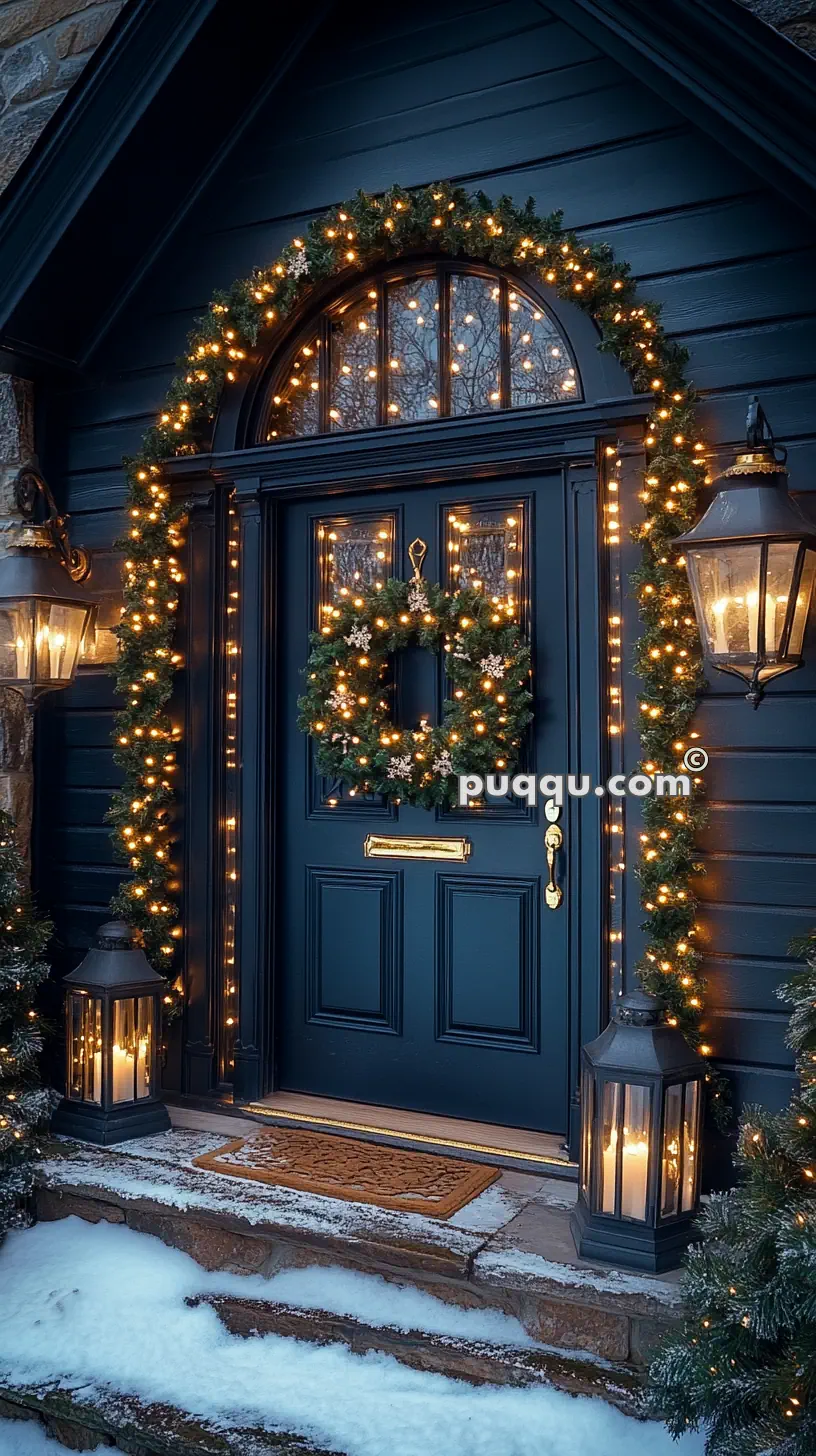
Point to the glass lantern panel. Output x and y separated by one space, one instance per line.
691 1119
60 629
131 1051
672 1152
475 344
587 1114
412 365
725 585
778 581
635 1159
802 606
84 1048
610 1117
16 637
354 395
541 368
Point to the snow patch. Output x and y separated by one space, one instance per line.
533 1267
373 1301
28 1438
173 1185
489 1211
105 1306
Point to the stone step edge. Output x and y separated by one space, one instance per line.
480 1267
136 1428
479 1362
555 1314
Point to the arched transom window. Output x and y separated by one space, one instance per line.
440 340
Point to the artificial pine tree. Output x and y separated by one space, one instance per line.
744 1367
25 1105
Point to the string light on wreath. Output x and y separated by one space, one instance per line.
354 237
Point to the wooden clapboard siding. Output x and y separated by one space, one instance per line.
507 97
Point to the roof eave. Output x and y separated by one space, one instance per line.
728 71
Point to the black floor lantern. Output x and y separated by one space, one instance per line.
113 1035
641 1119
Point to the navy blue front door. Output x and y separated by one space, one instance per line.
424 984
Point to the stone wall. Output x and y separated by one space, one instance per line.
796 19
44 47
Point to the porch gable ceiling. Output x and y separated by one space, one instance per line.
116 169
102 192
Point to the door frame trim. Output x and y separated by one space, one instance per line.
257 481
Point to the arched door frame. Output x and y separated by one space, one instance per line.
255 479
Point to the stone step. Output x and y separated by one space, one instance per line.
131 1426
511 1250
480 1362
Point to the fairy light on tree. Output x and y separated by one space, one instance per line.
25 1105
744 1365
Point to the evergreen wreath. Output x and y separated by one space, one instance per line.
345 239
346 709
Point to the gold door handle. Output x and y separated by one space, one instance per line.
553 840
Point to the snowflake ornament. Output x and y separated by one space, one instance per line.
417 597
337 700
400 768
298 264
443 764
359 636
493 665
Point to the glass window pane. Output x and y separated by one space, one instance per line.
296 407
635 1160
84 1049
131 1049
354 387
803 597
692 1112
725 583
354 553
542 370
475 314
670 1165
412 384
485 550
609 1145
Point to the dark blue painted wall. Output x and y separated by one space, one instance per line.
506 97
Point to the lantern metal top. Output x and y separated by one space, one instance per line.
637 1042
752 503
115 963
35 572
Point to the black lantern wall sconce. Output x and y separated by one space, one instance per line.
45 612
751 562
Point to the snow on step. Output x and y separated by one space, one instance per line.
105 1306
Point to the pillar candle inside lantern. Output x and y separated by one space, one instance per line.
130 1053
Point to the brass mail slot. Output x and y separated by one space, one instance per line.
405 846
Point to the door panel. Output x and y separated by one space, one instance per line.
441 987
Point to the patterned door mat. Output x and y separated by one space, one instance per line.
359 1172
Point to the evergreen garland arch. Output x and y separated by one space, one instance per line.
356 236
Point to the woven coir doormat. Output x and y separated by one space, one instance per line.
341 1167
